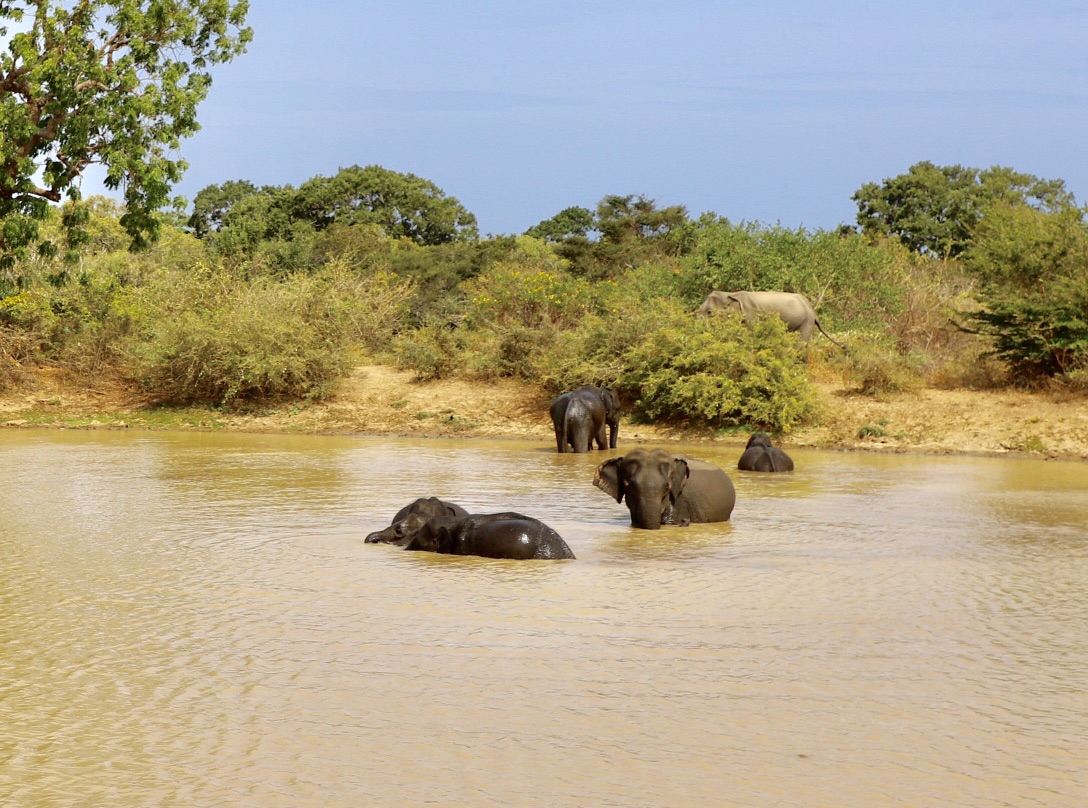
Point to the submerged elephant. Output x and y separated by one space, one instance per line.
761 455
661 488
794 309
491 535
580 416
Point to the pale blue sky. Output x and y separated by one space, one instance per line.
770 111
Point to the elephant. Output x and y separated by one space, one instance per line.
662 488
431 506
581 415
761 455
794 309
492 535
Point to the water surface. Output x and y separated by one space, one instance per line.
193 619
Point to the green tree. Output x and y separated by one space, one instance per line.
212 204
622 219
110 82
935 209
569 223
1032 272
404 205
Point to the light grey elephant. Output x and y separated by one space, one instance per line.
666 489
794 309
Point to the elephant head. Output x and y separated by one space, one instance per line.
401 532
651 482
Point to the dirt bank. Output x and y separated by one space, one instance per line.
383 400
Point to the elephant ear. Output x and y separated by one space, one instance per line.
678 478
736 299
608 479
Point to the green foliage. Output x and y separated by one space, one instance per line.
284 227
720 372
527 294
107 82
634 230
211 341
569 223
403 205
624 232
873 430
674 366
1032 269
433 351
439 271
936 208
212 204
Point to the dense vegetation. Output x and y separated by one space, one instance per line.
955 276
273 293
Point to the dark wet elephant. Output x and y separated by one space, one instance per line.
491 535
761 455
793 309
662 488
431 506
580 417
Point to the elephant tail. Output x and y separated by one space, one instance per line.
833 340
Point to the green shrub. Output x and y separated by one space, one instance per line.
720 372
219 342
433 351
532 294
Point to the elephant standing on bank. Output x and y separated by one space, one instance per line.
761 455
661 488
491 535
794 309
580 416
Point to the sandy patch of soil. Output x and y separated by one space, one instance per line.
383 400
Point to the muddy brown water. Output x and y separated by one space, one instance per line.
194 620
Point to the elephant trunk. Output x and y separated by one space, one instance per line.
645 513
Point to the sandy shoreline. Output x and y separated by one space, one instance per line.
379 400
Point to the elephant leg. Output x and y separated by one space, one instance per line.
602 437
583 440
561 438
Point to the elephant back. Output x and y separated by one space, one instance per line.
708 496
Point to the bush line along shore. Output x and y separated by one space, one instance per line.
264 302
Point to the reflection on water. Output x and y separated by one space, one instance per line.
194 620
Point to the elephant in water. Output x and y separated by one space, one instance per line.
400 526
794 309
580 416
761 455
661 488
492 535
